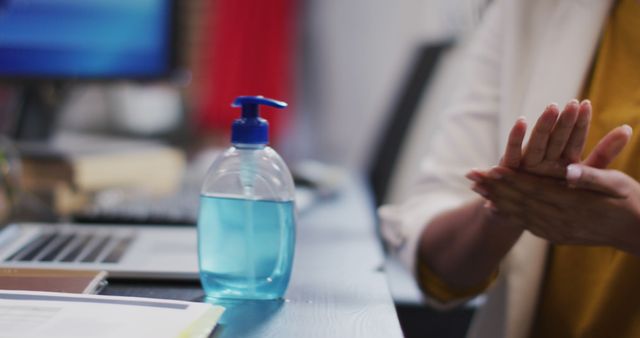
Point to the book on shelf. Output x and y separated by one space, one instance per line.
73 166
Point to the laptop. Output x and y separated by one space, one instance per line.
126 248
149 252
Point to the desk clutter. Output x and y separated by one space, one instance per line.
336 289
336 283
106 179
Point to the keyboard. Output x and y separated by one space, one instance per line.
75 245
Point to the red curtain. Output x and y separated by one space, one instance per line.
248 49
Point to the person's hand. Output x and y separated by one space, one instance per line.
557 139
604 152
591 207
556 142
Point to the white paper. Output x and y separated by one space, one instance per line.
47 314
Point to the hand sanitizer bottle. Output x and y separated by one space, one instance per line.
246 225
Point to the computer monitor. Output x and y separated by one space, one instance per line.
87 39
47 44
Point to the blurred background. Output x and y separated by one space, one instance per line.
365 80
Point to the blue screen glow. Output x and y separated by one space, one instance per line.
85 38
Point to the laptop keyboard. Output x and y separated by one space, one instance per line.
69 246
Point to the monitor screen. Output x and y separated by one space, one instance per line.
86 38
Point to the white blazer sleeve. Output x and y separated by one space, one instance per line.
468 138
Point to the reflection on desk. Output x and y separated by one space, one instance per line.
337 287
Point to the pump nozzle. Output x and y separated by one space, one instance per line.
250 128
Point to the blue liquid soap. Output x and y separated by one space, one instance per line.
246 226
245 247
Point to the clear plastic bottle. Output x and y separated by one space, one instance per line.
246 224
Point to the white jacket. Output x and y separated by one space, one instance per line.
525 55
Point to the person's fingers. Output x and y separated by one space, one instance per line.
496 190
498 172
532 215
609 147
540 217
562 131
513 152
526 211
475 175
537 145
526 186
575 144
609 182
505 198
480 190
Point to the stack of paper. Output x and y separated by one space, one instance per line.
49 314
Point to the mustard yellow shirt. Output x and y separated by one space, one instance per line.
595 291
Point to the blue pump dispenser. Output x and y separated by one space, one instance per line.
251 128
246 224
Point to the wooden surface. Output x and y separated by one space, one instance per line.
337 288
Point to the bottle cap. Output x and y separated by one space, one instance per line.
250 128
